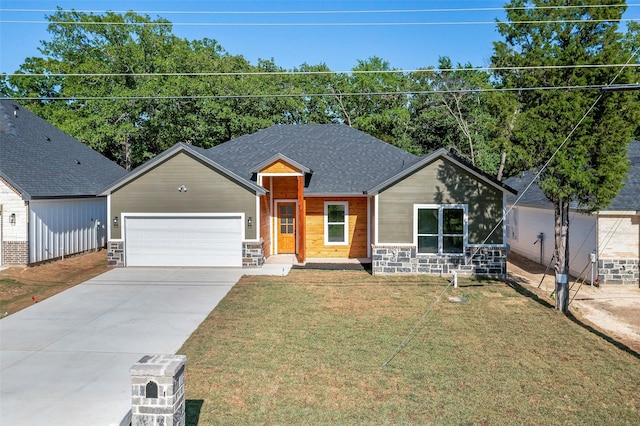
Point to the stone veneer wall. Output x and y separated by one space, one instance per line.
618 271
487 261
15 253
157 391
252 253
115 253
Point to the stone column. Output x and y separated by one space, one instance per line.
157 389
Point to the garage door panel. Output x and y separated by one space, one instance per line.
183 241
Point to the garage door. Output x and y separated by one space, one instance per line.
183 241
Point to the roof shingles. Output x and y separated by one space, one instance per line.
41 161
343 160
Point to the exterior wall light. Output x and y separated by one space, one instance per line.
182 188
115 221
250 222
12 219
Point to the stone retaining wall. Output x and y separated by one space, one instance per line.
486 261
618 271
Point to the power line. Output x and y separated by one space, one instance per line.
298 95
328 72
323 12
322 24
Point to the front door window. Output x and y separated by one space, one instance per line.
286 228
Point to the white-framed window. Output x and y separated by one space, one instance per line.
336 223
440 228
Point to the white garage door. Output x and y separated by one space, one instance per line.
183 241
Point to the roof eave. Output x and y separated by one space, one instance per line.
19 191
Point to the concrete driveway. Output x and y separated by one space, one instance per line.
66 360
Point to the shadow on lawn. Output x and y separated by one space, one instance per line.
192 408
531 295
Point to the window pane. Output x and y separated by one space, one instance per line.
427 221
336 233
290 209
335 213
428 244
290 229
283 229
452 244
452 221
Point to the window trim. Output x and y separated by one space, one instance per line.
441 208
345 204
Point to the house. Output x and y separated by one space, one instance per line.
49 207
315 191
603 246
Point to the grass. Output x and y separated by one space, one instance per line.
21 287
308 348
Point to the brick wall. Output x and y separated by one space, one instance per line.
485 261
15 253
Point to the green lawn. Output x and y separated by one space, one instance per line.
308 348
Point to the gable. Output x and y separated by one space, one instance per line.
440 181
280 167
182 184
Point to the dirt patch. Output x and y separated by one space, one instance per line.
612 309
22 286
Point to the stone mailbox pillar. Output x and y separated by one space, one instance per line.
157 389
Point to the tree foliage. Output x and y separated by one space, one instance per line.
590 167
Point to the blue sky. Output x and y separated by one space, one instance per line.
406 40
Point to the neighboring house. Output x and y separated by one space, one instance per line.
316 191
49 182
606 242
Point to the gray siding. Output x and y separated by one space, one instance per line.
59 228
440 182
208 191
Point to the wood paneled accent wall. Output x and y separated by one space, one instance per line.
279 166
357 221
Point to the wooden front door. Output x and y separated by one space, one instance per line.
286 228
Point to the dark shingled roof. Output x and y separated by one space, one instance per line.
343 160
41 161
629 196
627 199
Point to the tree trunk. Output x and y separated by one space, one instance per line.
127 153
561 229
503 160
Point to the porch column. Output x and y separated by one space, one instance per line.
302 213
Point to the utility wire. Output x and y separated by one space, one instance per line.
305 95
295 73
318 24
322 12
301 95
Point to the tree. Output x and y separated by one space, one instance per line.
371 100
129 88
589 168
455 110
